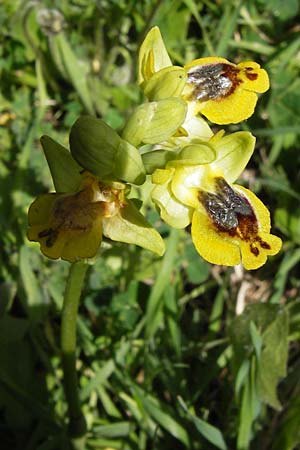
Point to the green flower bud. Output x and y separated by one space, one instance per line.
155 122
101 151
168 82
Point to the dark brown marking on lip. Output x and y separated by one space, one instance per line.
263 244
232 213
250 74
254 249
229 210
51 235
213 81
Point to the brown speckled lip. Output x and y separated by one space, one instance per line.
216 81
213 81
232 214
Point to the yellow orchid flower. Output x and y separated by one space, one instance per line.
69 226
224 92
221 91
229 223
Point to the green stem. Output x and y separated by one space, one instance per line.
77 424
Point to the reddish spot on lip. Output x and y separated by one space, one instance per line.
251 75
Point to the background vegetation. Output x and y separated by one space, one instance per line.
165 362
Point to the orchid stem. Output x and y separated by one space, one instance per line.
74 285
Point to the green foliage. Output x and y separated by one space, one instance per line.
164 361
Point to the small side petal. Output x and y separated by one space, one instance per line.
130 226
172 211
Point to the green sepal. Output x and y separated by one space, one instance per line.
128 164
131 227
152 48
64 169
167 82
157 159
233 153
101 151
155 122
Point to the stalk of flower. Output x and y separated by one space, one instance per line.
221 91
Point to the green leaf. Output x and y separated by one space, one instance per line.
130 226
64 169
262 314
246 417
256 339
74 70
172 316
273 362
155 300
157 411
119 429
12 329
155 122
208 431
8 290
34 299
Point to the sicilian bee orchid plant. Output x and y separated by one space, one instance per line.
192 171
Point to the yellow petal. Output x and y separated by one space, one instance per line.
186 183
40 210
54 251
213 247
234 108
204 61
254 78
83 245
261 211
233 221
161 176
224 92
253 260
